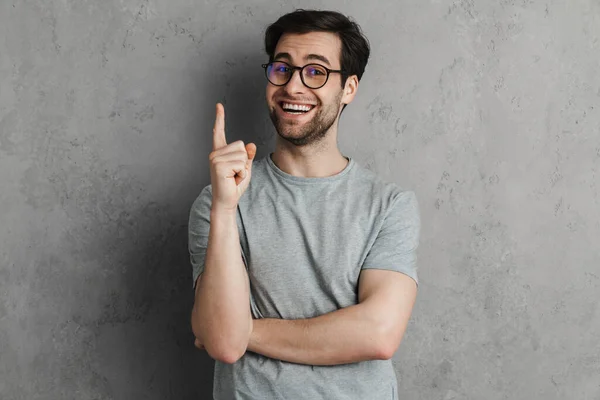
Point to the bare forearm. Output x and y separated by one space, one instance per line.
221 314
344 336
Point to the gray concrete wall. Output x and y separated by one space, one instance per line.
489 110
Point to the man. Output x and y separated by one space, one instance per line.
304 262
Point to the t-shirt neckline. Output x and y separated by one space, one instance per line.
301 179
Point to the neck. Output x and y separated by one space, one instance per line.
317 160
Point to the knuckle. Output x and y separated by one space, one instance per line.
217 165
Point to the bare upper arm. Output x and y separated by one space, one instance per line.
390 296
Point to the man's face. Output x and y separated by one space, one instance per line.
303 128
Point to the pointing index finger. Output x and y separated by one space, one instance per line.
219 140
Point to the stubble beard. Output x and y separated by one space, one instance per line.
311 132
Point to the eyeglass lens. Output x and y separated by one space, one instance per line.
313 75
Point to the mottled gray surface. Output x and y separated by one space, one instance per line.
489 110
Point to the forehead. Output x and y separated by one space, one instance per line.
300 46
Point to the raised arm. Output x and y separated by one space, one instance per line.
221 316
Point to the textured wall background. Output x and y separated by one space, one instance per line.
489 110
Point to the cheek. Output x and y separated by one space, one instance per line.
331 98
269 93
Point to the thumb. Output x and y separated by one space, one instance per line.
251 150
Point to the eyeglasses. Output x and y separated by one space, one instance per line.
313 76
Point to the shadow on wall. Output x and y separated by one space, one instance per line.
146 347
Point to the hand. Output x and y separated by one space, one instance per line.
230 167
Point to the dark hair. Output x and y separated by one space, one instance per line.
355 46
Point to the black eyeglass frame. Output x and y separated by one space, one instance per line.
301 69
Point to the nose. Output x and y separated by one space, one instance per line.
295 84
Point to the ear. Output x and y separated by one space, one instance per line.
350 89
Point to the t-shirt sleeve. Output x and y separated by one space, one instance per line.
395 247
198 229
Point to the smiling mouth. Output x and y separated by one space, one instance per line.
296 109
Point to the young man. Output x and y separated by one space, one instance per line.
304 262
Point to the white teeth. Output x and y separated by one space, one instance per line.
296 107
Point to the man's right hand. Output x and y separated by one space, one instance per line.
230 167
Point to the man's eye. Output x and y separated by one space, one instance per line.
282 69
315 71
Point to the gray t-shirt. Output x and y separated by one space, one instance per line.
304 243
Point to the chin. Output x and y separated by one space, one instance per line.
288 132
300 137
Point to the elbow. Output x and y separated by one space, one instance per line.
226 343
387 343
384 352
225 353
229 359
220 346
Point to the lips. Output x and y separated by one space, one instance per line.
295 108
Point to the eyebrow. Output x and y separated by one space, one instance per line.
288 57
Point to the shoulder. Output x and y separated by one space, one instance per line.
205 194
389 194
200 208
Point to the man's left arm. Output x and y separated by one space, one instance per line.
369 330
